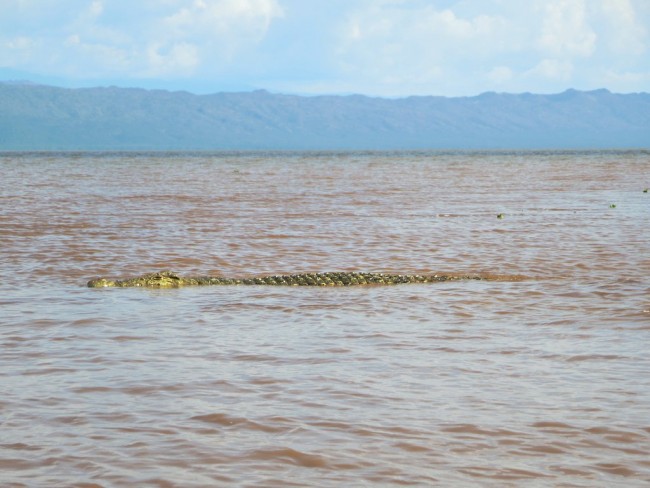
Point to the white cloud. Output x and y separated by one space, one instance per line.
381 47
96 8
180 58
500 74
20 43
17 51
395 47
552 69
169 38
565 30
631 78
410 46
214 18
221 27
629 37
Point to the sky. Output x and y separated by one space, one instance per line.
387 48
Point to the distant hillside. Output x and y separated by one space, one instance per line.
37 117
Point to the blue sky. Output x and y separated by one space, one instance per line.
386 48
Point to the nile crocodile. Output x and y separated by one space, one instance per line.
169 279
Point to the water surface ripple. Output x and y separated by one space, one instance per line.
542 382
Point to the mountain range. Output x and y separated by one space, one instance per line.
40 117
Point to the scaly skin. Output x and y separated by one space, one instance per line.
169 279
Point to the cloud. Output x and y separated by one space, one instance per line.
410 47
393 45
96 8
20 43
178 58
237 21
628 77
551 69
630 37
170 38
565 30
377 47
500 74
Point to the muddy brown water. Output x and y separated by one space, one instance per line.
539 382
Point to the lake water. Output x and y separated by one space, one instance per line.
540 382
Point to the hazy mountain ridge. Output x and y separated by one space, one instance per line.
38 117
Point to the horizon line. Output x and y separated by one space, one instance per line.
28 83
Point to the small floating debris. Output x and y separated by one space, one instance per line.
645 191
500 216
613 205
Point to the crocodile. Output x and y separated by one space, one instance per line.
170 279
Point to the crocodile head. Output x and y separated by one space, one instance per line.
100 283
